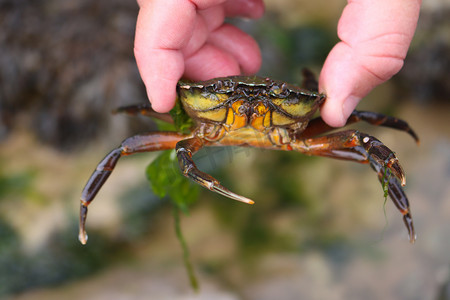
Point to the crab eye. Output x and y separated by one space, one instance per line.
210 96
220 86
279 91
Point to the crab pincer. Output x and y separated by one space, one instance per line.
381 155
391 174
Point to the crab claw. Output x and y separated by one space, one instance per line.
213 184
227 193
398 197
392 176
82 235
381 155
191 171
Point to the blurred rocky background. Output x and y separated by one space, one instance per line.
319 229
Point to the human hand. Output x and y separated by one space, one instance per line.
375 37
189 37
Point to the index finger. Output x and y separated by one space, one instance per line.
156 48
163 28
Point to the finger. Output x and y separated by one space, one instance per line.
337 80
199 4
156 49
163 28
253 9
240 45
213 17
197 39
375 38
210 62
165 24
160 70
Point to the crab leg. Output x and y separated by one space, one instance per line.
185 149
355 146
318 126
143 109
352 145
153 141
309 80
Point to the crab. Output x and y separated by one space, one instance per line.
264 113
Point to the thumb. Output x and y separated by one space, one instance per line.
375 36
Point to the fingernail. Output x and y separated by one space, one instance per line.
349 105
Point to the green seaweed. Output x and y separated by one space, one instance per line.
166 179
183 123
385 185
186 259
